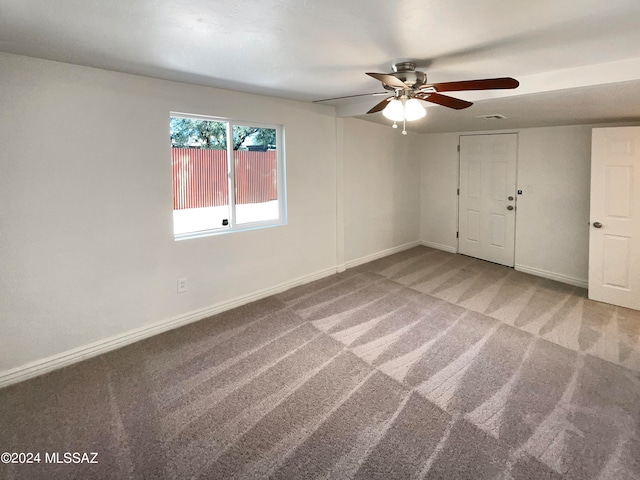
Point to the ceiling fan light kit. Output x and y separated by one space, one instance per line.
403 110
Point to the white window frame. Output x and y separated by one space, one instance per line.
280 178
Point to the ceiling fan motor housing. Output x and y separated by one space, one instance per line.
406 72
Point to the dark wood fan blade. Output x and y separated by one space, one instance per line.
351 96
389 80
380 106
486 84
444 100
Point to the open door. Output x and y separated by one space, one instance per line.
486 209
614 239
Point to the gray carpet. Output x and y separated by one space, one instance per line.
419 365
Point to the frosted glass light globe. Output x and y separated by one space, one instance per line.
394 111
413 110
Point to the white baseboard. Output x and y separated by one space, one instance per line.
54 362
439 246
376 256
576 282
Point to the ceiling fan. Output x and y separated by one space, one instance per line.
410 85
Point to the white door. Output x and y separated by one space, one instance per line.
614 239
486 210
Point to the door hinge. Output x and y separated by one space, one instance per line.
458 192
458 147
457 234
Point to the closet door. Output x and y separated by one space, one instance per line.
614 239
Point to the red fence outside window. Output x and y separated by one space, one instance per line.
200 177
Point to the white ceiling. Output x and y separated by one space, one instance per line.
578 61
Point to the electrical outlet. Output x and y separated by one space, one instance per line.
182 285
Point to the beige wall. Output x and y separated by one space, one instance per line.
438 186
381 189
554 172
552 214
88 255
86 207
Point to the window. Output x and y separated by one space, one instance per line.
227 175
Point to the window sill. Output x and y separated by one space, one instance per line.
226 230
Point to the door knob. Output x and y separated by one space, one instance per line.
509 197
597 225
510 207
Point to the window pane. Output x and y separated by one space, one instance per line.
256 174
199 168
